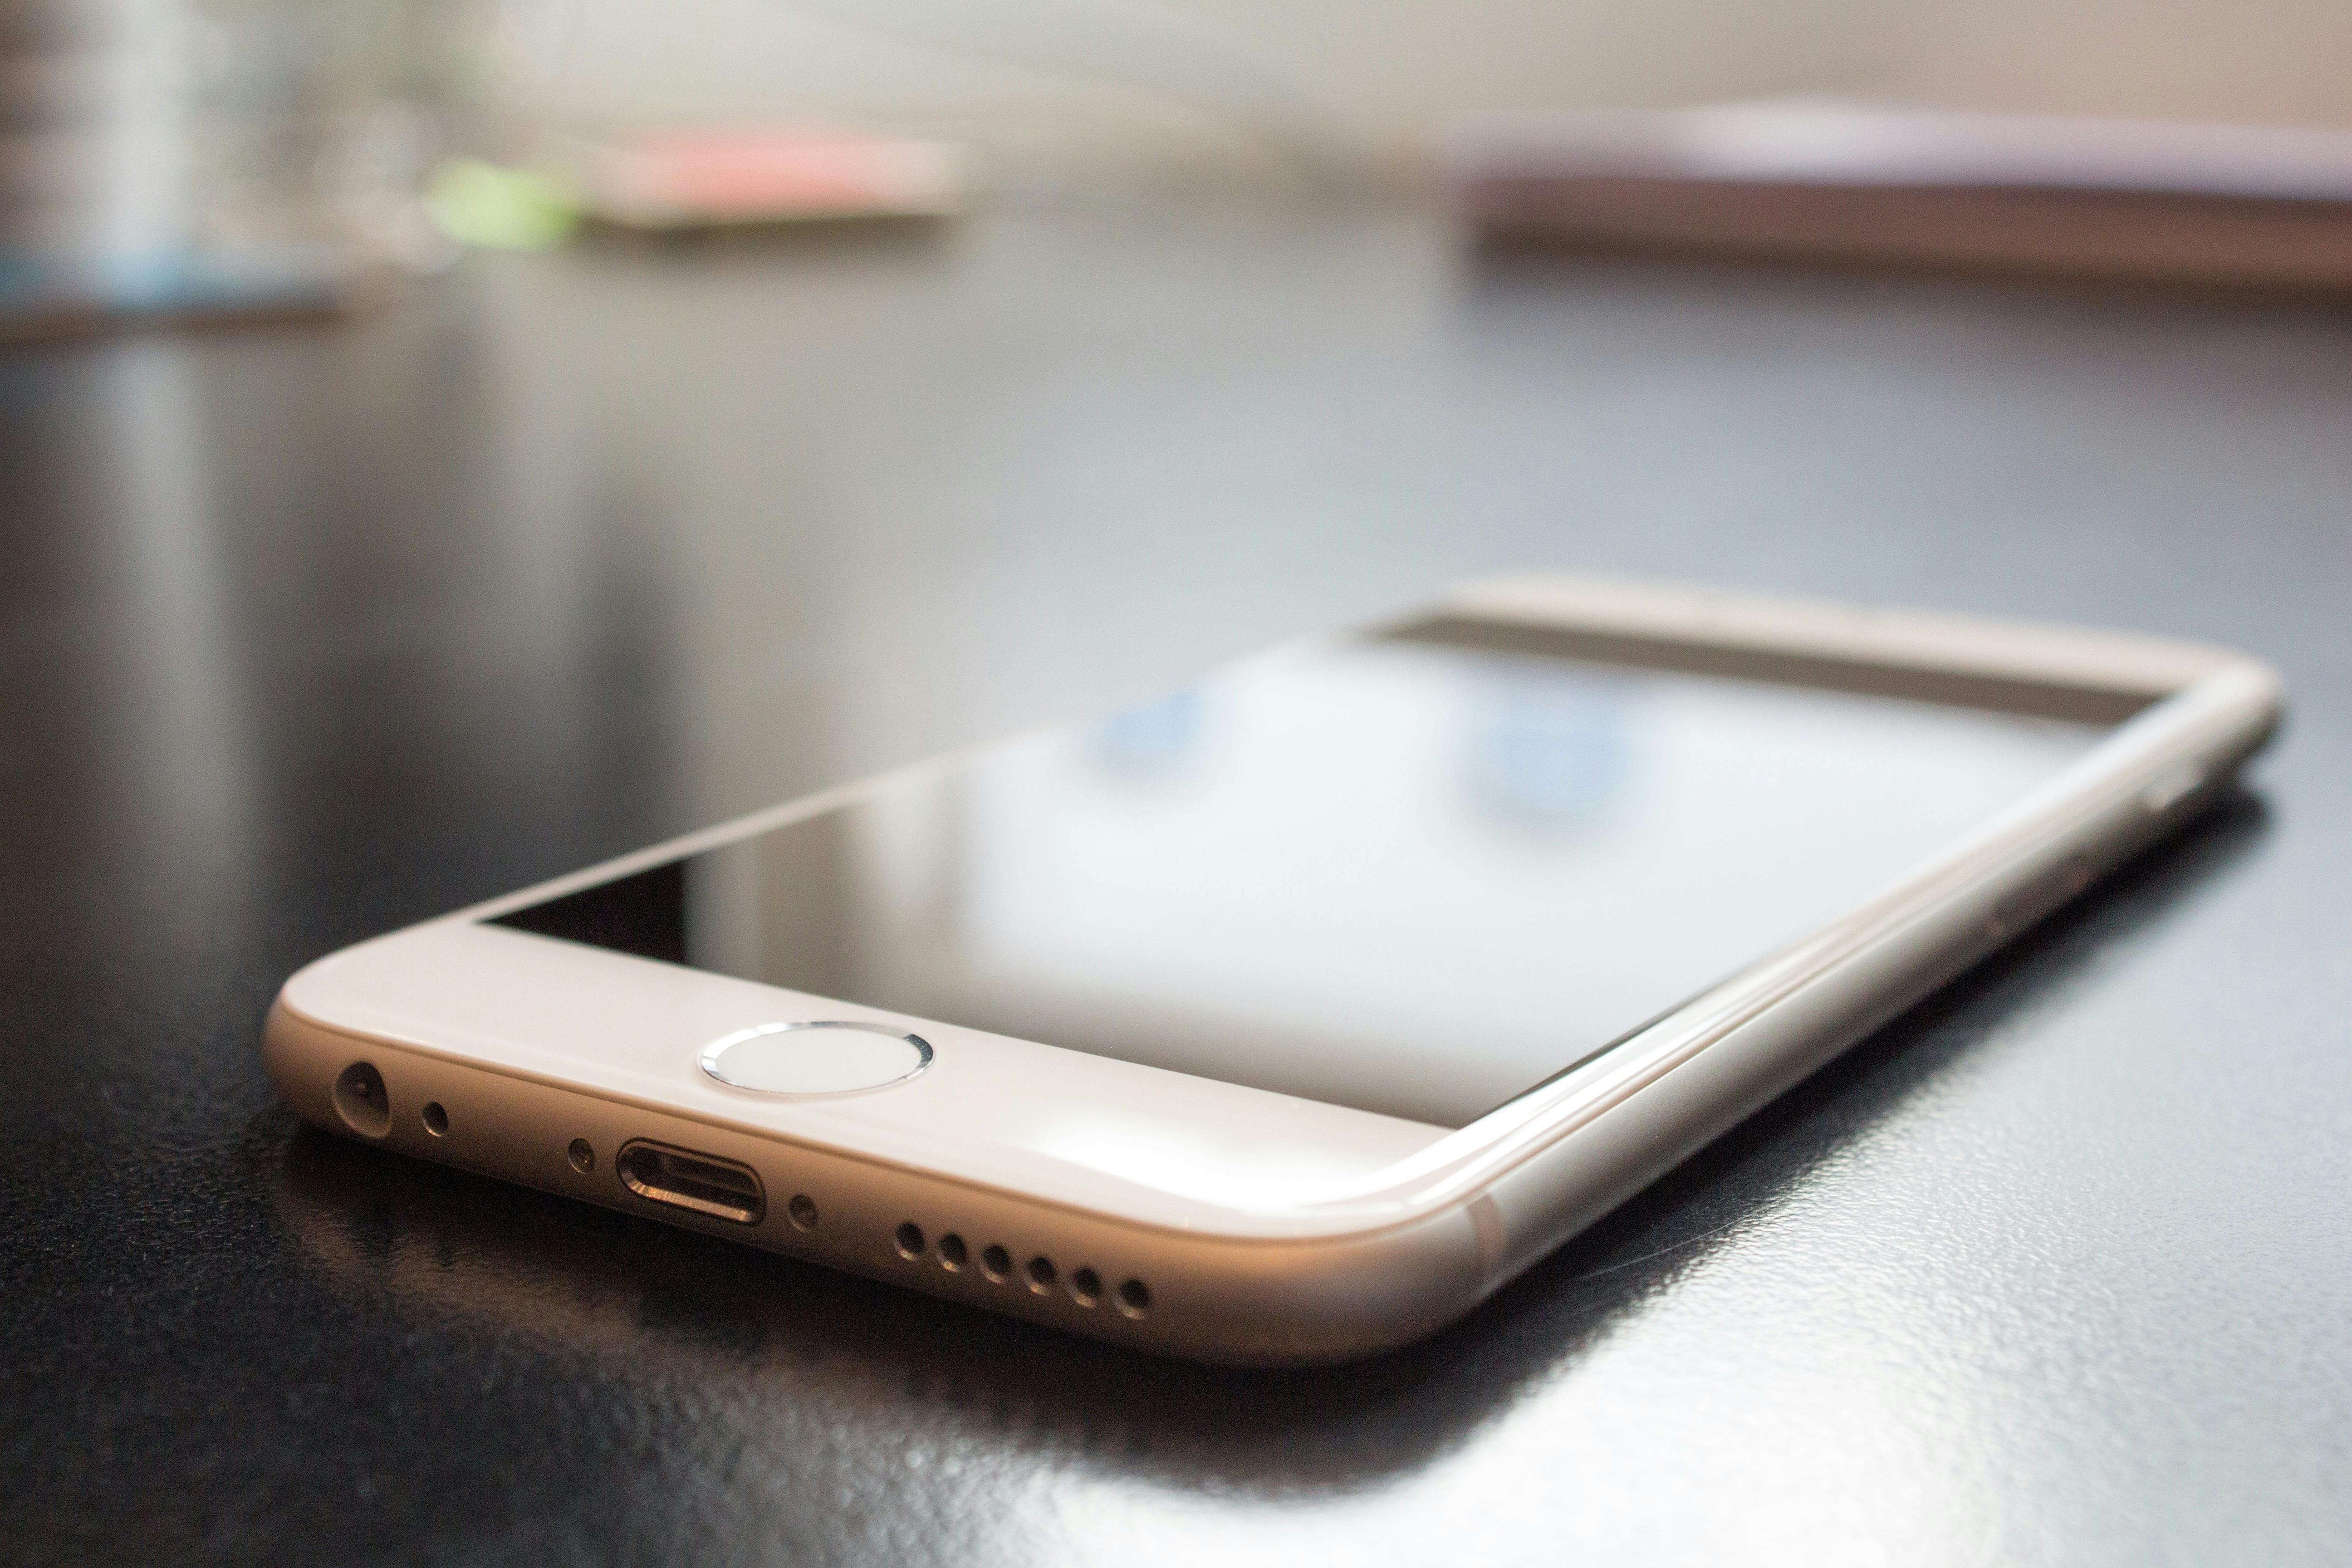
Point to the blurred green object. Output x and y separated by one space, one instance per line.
498 207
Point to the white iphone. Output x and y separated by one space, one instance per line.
1286 1019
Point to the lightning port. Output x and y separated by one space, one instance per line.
684 1179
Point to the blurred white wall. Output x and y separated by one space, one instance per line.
1063 82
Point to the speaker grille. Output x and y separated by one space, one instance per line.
1082 1288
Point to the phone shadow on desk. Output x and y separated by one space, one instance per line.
642 1301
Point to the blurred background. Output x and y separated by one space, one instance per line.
196 153
1074 82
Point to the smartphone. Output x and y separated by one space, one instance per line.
1286 1019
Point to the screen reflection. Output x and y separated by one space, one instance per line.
1400 876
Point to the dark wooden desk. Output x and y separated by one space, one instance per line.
306 633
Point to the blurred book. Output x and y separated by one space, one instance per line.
49 297
1822 181
677 180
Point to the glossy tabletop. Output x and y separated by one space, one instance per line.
310 631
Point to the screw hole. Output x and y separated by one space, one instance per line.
1041 1275
1135 1298
952 1254
803 1208
1085 1286
583 1157
997 1264
910 1240
437 1120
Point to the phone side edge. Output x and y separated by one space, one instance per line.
1562 1187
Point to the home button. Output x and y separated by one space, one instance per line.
825 1057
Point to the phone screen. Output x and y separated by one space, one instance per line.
1416 874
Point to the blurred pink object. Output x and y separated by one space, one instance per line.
679 179
1824 181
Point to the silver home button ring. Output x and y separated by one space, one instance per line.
827 1058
